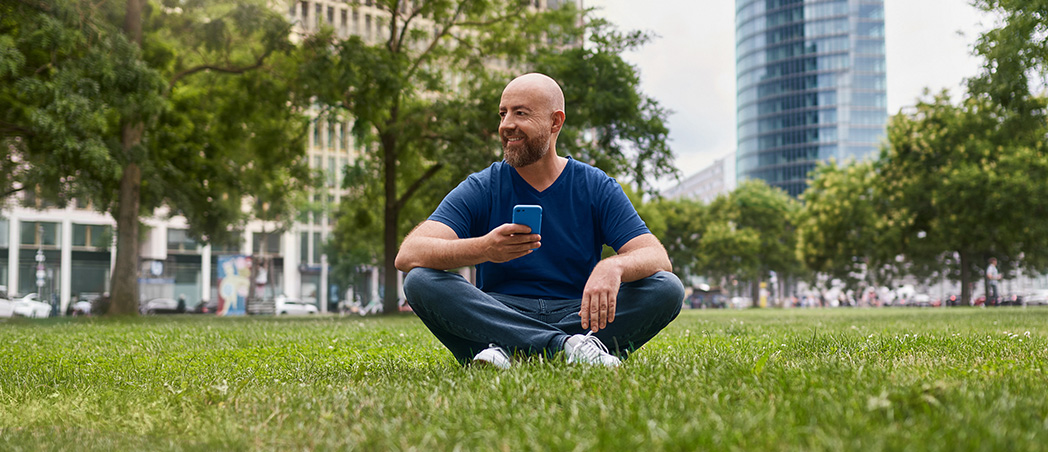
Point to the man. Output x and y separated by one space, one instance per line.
538 294
992 275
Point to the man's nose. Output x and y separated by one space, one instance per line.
507 123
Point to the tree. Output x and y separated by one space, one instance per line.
123 103
838 225
684 219
749 233
965 182
1015 73
614 126
424 101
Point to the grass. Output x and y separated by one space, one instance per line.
834 379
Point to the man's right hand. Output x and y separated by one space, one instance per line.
510 241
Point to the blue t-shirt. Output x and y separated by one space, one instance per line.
583 210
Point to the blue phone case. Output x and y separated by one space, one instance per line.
528 215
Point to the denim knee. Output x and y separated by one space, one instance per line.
421 281
666 291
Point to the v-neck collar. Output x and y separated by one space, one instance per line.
519 181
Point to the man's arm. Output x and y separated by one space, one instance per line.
639 258
435 245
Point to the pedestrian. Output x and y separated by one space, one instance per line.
992 276
538 294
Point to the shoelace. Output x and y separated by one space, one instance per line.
499 350
592 348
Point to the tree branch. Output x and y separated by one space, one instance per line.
226 70
11 192
415 186
436 39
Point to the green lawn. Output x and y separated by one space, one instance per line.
834 379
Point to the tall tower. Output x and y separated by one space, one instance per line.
811 86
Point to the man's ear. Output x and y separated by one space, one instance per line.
558 121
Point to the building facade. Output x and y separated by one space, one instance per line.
707 184
811 86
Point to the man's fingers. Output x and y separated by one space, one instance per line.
584 312
612 302
594 313
603 311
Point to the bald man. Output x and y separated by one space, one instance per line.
538 295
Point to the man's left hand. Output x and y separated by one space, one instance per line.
599 297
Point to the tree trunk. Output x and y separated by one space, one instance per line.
755 292
391 218
124 281
124 299
966 278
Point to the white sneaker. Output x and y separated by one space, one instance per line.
589 350
494 356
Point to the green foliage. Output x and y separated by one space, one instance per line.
612 124
684 219
207 90
877 380
837 225
962 183
1015 72
750 232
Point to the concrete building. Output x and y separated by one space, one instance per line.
708 183
811 86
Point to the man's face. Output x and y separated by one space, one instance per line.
525 126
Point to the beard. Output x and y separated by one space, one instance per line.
530 151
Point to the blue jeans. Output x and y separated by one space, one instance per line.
467 320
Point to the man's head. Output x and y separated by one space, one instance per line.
532 112
993 260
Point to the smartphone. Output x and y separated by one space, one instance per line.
528 215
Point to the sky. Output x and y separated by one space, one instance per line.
690 67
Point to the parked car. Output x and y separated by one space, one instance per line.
7 307
164 306
293 306
921 299
1039 296
31 306
208 307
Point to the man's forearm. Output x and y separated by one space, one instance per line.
640 263
438 253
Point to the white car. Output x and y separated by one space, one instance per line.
7 307
292 306
31 306
1039 296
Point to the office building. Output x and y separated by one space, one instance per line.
811 86
708 183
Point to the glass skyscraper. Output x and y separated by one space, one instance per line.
810 86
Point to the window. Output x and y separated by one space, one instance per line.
316 133
40 233
178 240
331 136
316 247
231 247
272 243
5 229
92 235
303 247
